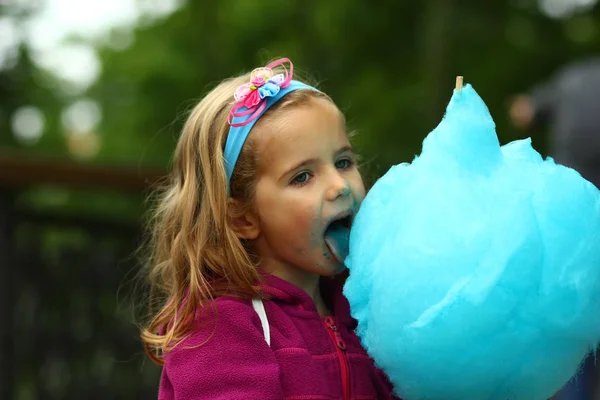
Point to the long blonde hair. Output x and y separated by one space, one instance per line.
194 254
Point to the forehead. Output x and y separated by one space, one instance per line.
306 131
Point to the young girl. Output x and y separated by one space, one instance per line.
248 248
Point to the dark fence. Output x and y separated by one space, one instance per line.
66 318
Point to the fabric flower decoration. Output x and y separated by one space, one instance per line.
262 84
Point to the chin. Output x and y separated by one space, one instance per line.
332 268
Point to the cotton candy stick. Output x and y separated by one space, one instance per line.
459 82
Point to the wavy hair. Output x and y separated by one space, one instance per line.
193 254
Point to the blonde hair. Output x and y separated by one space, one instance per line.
194 254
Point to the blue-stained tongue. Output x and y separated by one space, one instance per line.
337 238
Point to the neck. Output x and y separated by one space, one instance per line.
309 282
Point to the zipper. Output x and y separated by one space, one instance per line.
340 347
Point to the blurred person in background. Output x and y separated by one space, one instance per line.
568 104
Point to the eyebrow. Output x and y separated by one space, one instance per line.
312 160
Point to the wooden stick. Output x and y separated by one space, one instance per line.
459 82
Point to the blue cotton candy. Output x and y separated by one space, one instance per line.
475 269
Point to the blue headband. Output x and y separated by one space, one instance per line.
238 134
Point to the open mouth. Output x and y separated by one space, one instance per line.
345 222
337 236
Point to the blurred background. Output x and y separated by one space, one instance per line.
93 94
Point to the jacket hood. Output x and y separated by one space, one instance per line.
278 290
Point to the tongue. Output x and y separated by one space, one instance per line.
337 238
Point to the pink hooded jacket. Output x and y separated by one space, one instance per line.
309 357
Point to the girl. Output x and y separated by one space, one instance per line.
248 244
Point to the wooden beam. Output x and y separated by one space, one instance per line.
18 171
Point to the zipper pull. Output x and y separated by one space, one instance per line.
340 341
329 321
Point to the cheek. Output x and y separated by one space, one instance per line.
294 214
305 215
304 225
358 187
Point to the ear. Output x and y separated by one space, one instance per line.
244 223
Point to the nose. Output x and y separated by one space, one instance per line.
338 186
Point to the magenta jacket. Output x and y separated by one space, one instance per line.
310 357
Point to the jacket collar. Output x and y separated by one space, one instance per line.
278 290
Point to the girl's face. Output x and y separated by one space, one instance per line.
307 177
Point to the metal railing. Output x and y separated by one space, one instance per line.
66 315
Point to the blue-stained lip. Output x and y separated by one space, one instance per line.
347 214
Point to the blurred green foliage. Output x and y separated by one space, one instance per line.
389 65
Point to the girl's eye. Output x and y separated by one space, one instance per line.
301 179
344 163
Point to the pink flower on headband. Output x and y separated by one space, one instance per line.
262 84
